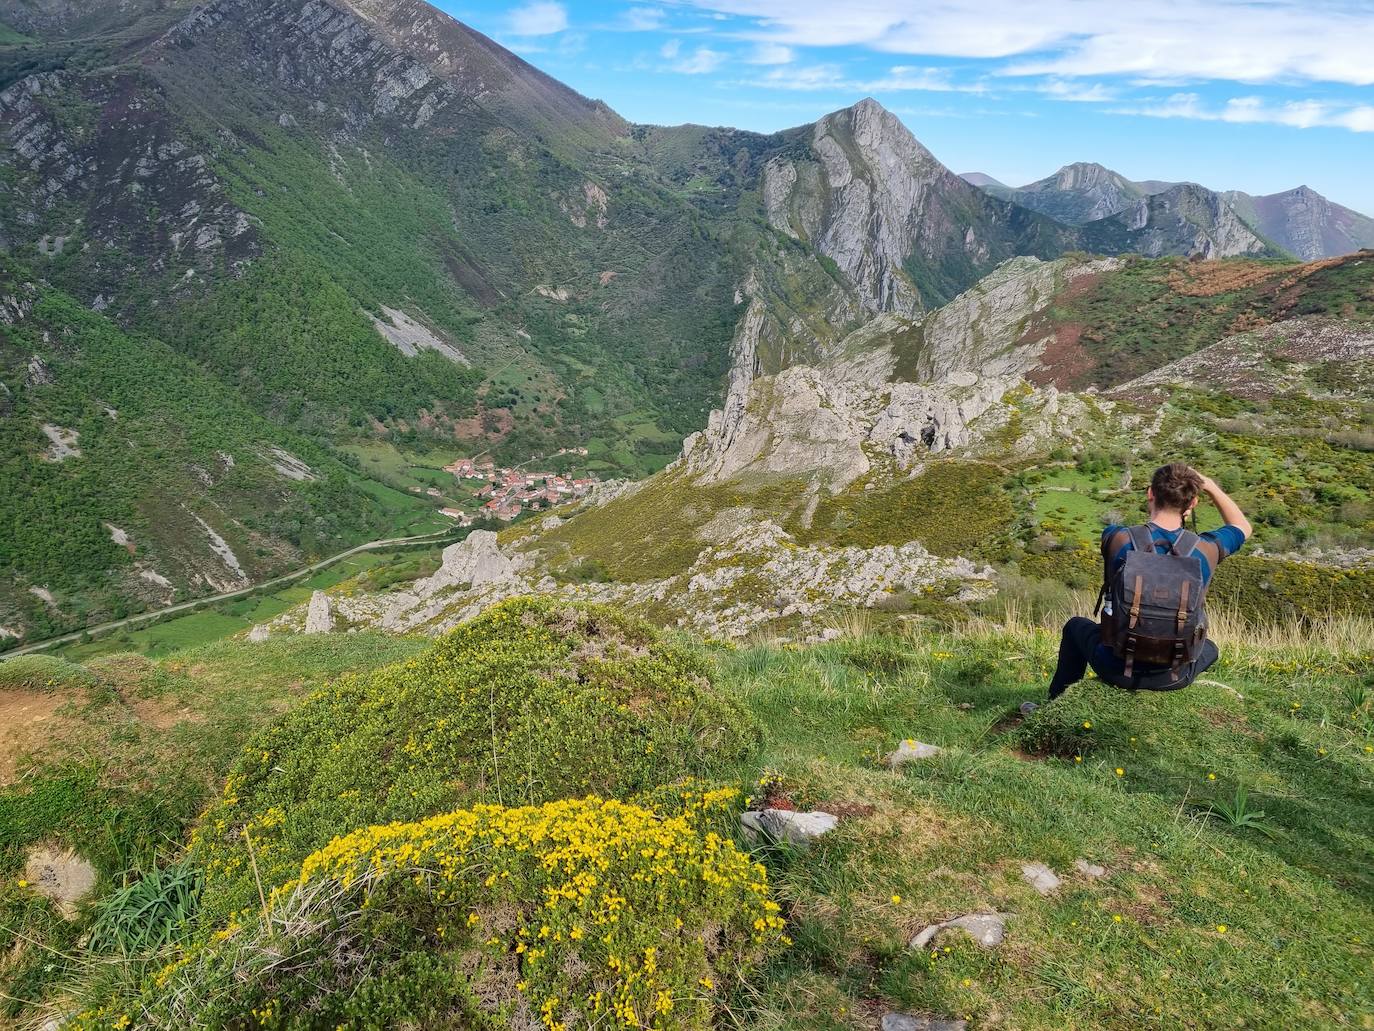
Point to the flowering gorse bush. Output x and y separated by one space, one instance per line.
572 914
531 702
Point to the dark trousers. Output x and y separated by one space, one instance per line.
1081 647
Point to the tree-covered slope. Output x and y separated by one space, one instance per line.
131 477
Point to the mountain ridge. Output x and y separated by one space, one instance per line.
357 167
1300 221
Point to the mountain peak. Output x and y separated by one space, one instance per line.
868 105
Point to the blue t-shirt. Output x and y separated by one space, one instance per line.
1228 541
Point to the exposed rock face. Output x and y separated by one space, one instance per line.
983 330
1186 219
38 374
824 420
319 617
751 573
789 423
475 561
873 199
873 175
1079 193
1304 223
62 443
411 337
154 166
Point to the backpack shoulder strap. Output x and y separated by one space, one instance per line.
1142 538
1186 542
1111 548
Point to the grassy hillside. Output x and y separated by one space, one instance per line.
161 450
1228 820
1126 323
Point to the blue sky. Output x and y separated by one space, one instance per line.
1259 96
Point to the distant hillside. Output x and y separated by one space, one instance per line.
1304 222
1300 222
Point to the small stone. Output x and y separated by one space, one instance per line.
907 1022
64 877
786 825
911 750
1090 870
987 929
965 706
261 632
1041 878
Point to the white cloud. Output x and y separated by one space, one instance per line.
1301 114
538 19
1176 40
832 77
701 61
642 19
1077 92
671 49
771 53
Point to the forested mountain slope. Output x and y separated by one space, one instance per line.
363 223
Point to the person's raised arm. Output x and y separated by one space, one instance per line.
1229 510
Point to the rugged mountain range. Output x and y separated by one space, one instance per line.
1305 223
1301 222
246 238
924 464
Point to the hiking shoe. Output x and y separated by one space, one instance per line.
1029 707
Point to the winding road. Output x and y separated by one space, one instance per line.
212 599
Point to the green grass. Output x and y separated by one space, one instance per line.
1291 733
948 837
225 619
132 758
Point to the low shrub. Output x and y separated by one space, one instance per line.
531 702
572 914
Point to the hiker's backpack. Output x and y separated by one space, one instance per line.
1155 613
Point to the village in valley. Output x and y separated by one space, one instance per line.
504 493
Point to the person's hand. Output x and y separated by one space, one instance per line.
1209 485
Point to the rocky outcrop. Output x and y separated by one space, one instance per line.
870 197
989 329
823 421
472 562
410 337
319 616
1269 361
1079 193
1185 219
750 574
38 373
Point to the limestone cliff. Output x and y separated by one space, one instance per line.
1186 219
904 230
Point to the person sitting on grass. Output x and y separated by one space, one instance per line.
1153 634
